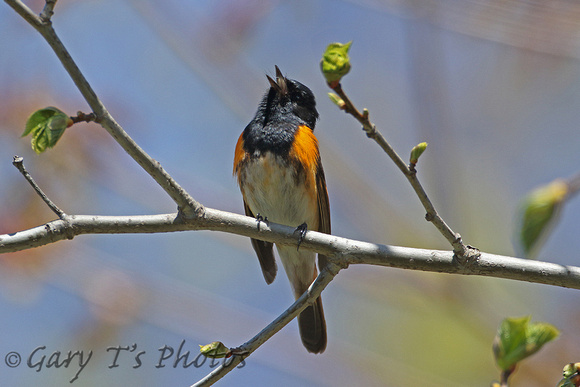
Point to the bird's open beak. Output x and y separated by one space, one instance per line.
279 84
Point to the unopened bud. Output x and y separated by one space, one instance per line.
335 62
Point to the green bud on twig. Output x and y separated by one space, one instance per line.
518 338
46 127
570 369
215 350
416 152
540 209
571 374
336 100
335 62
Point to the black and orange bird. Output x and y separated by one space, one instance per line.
277 165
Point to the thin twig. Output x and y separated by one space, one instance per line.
573 185
505 377
18 163
188 206
465 253
83 117
26 13
313 292
48 10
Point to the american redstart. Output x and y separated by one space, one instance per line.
277 164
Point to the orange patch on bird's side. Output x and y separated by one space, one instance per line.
305 148
305 151
240 154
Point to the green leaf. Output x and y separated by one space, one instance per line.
215 350
36 119
335 62
57 124
39 140
46 127
517 338
539 212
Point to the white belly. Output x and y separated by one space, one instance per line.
273 191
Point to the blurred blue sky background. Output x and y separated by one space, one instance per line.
491 86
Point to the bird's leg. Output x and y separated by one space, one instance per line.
301 230
260 218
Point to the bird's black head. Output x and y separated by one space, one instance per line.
287 105
289 99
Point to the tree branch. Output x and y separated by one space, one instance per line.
18 163
466 253
48 10
246 349
350 251
26 13
188 206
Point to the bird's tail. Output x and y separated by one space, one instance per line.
313 327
